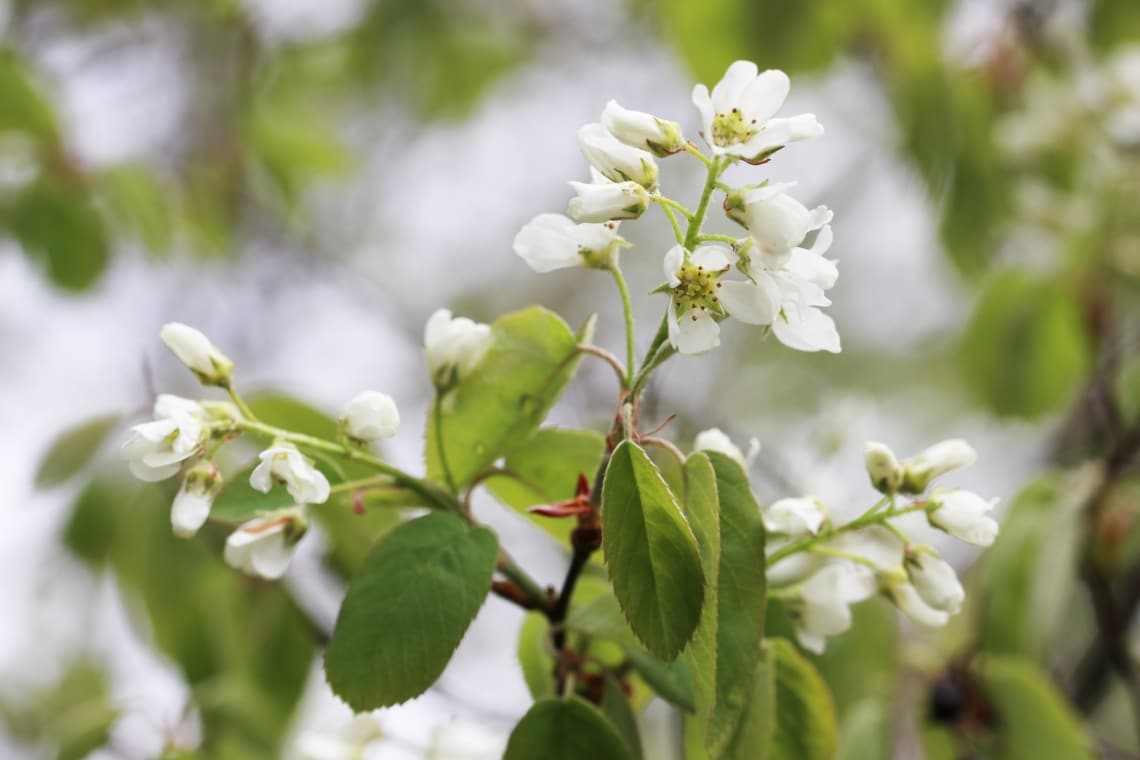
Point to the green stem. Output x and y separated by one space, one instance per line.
670 203
729 239
663 352
432 497
695 151
352 485
673 222
627 313
693 232
809 543
827 551
437 419
239 402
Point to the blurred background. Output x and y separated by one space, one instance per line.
307 182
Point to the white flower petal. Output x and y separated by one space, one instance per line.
795 517
764 95
674 259
695 333
754 303
807 329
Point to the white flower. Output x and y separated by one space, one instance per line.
776 221
454 346
936 460
795 517
822 607
935 581
883 467
695 304
616 160
786 290
643 130
284 463
601 200
908 600
264 545
962 514
371 415
197 352
553 241
157 449
192 504
714 439
737 116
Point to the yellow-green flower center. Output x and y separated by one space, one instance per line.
696 292
731 128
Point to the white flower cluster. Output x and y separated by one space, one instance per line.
843 565
184 435
1097 100
784 277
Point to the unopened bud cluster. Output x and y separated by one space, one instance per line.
873 555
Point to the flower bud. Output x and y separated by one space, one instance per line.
198 354
453 347
795 517
911 604
616 160
937 460
553 241
714 439
192 504
284 463
643 130
370 416
264 545
935 581
962 514
774 219
604 201
883 467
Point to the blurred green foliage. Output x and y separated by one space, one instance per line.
266 127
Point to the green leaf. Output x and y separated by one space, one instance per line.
239 501
408 608
56 223
1027 575
537 665
673 682
73 449
241 644
702 507
806 727
136 200
548 464
531 359
650 552
565 729
1025 352
866 731
726 650
618 711
602 619
1034 720
22 107
753 735
741 592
